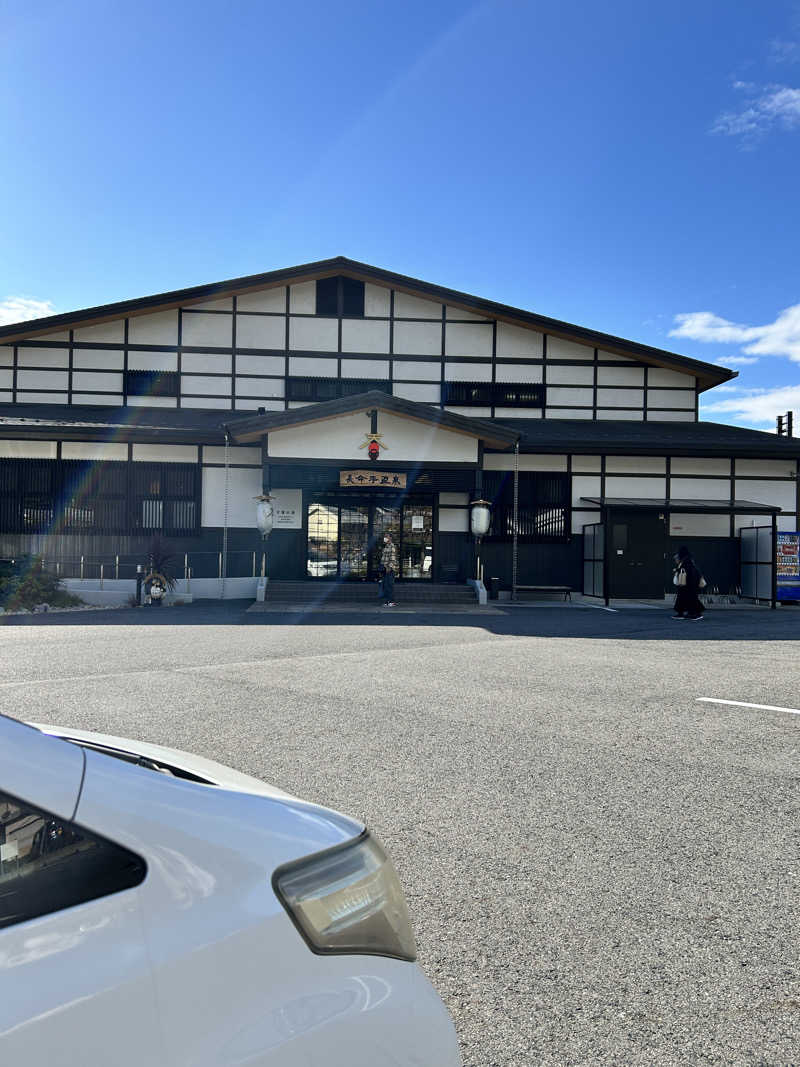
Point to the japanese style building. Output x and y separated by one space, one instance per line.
363 401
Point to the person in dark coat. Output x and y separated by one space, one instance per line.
687 580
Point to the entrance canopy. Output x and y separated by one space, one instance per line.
684 505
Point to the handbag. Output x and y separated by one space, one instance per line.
679 578
702 583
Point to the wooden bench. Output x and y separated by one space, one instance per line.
565 589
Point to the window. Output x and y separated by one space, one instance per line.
543 507
498 394
151 383
316 390
62 496
340 297
47 864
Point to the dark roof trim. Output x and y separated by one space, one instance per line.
708 374
716 507
494 434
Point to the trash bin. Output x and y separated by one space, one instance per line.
492 587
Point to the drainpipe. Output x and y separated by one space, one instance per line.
225 516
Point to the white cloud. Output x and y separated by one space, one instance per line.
778 338
21 309
737 361
766 106
756 407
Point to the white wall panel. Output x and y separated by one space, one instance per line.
518 343
260 331
113 332
206 363
782 494
414 307
239 454
517 413
152 361
263 387
152 402
165 453
620 376
159 329
669 416
260 364
699 526
422 372
6 378
43 357
360 335
225 303
519 373
28 449
700 488
662 376
263 300
341 438
585 464
670 398
583 518
59 335
243 485
453 520
569 413
42 398
105 400
312 366
636 465
607 414
584 485
621 398
787 522
640 488
418 338
561 395
6 355
558 348
207 330
612 357
767 468
468 372
700 465
247 404
502 461
192 384
314 335
419 391
365 368
42 379
303 298
453 498
463 315
220 402
98 358
376 300
472 413
467 339
98 450
560 375
89 382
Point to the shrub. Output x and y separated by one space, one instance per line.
34 585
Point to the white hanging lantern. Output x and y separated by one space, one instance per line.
264 515
480 516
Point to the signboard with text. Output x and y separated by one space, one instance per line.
372 479
287 509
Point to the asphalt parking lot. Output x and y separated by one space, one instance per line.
601 869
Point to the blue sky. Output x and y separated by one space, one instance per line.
630 169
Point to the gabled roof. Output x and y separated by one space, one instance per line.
251 428
707 374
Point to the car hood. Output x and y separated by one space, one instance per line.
209 771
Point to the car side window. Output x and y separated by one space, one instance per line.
48 863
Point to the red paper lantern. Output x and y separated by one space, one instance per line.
374 450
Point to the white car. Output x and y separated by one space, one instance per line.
157 908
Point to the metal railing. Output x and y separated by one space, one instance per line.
188 565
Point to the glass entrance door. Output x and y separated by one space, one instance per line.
345 537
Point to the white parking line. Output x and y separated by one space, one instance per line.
744 704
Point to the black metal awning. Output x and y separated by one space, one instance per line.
683 505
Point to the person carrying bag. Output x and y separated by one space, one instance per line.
689 581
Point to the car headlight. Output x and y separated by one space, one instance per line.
348 899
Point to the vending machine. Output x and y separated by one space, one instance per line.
788 564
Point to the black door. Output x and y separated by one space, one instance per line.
636 546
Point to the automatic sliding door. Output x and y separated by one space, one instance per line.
417 544
354 541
